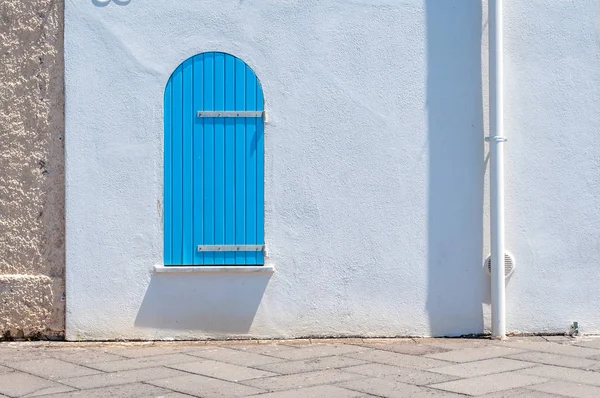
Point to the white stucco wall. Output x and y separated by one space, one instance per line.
375 212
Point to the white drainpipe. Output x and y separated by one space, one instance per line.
496 141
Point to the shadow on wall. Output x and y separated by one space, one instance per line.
104 3
457 283
211 303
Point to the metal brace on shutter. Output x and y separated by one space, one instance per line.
231 114
231 248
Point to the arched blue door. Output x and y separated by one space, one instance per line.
214 163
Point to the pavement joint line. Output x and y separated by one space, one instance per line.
548 364
267 355
361 377
58 359
194 358
566 355
487 374
339 384
292 360
111 360
260 353
448 362
43 378
166 388
452 363
209 376
123 384
551 378
432 386
306 371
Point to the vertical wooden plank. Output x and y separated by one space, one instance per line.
260 174
177 166
229 158
188 119
168 158
219 156
251 143
209 157
240 159
198 159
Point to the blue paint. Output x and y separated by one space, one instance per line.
168 180
214 167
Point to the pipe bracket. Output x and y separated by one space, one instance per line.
496 138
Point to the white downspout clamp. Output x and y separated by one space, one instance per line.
496 141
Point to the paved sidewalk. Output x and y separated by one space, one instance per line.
519 367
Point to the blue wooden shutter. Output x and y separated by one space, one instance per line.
214 163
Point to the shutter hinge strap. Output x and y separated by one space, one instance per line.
231 114
231 248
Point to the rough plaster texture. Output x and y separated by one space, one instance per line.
25 303
32 167
375 203
553 126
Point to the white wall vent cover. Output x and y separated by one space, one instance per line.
509 265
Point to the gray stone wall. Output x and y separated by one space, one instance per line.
32 233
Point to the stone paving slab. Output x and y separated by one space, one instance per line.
125 377
565 374
220 370
53 369
11 356
482 368
142 362
18 384
588 342
299 380
235 357
409 349
406 375
123 391
457 344
265 349
554 348
568 389
557 360
143 351
558 339
83 356
202 386
396 359
394 388
521 393
316 351
474 354
488 384
314 392
308 365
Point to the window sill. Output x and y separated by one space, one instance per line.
249 269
